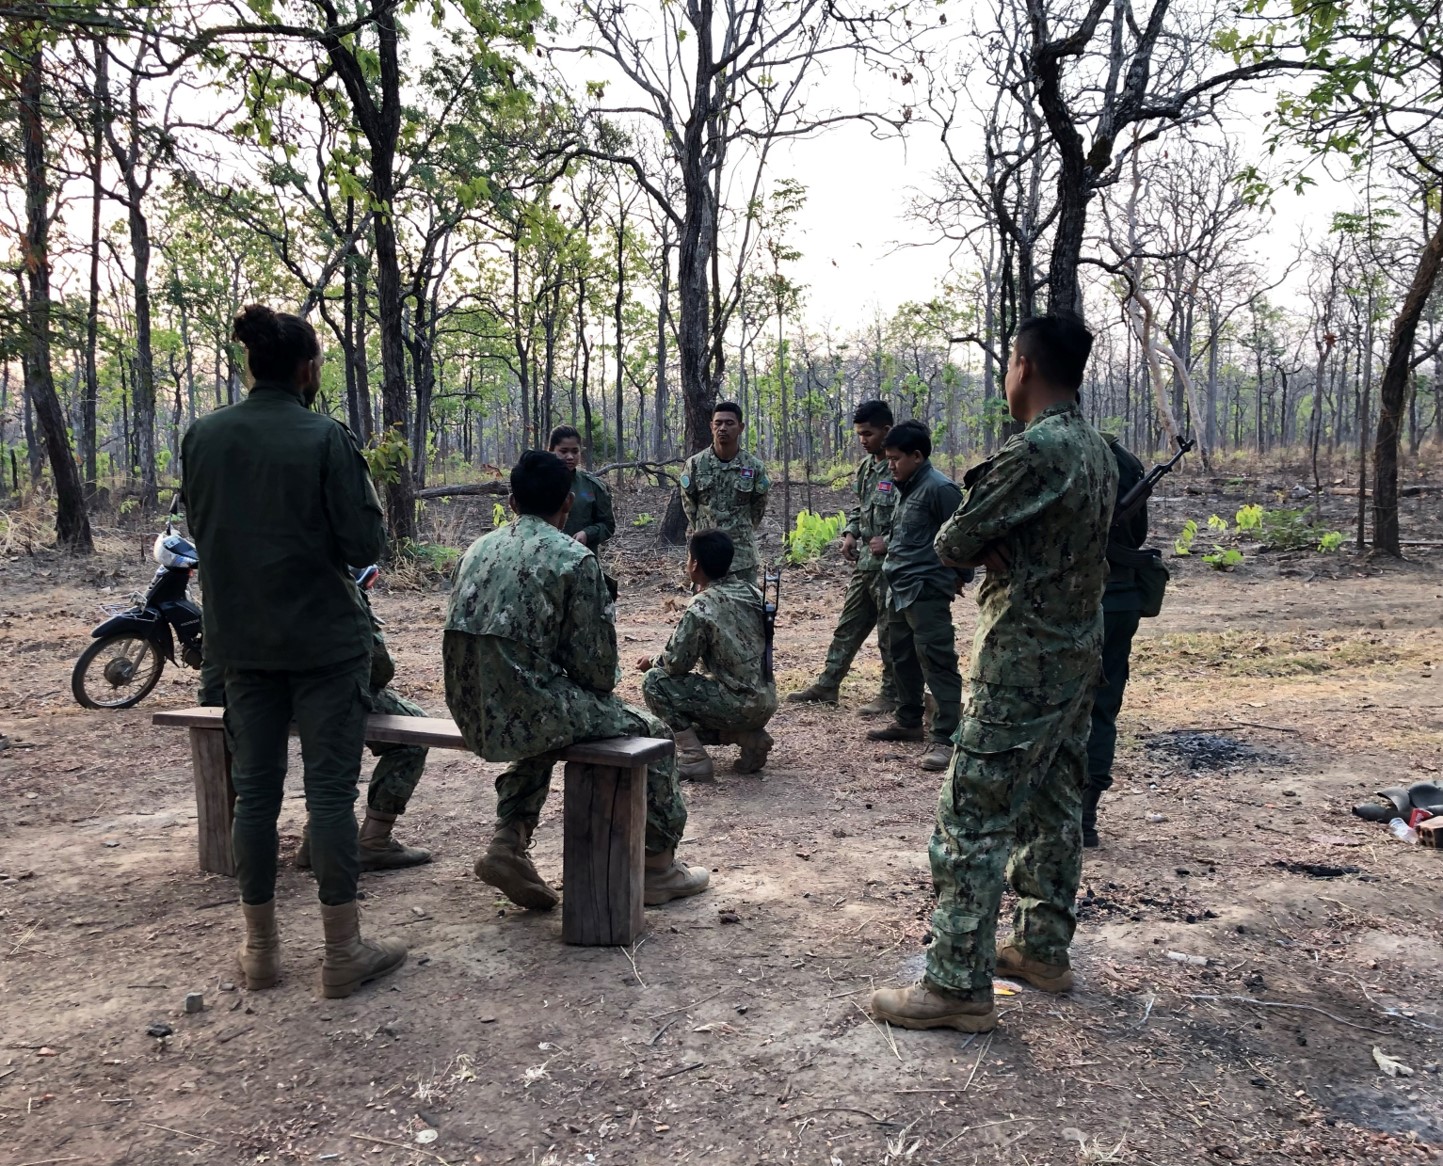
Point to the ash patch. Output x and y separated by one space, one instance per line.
1205 752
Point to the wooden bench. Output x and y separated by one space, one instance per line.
603 839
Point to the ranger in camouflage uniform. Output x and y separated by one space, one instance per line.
592 520
730 701
724 488
530 663
1037 515
864 542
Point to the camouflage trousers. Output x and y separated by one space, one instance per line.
1010 809
698 702
1118 629
522 787
864 606
399 767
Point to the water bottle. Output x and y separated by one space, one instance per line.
1401 830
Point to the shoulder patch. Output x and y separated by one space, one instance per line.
748 472
884 487
685 481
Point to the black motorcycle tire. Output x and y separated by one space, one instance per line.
98 648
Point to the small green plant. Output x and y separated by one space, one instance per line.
1288 530
1249 518
1223 559
1183 545
431 556
388 454
642 521
498 515
812 535
129 506
1330 542
1218 525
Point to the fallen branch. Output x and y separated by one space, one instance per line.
1282 1004
182 1133
400 1146
678 1071
468 490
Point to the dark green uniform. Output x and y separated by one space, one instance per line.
279 502
1121 611
730 497
590 510
864 606
1011 807
920 590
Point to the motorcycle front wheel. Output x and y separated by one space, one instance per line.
116 672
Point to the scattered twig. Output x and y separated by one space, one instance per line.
886 1033
48 1161
230 1036
987 1044
881 1121
1270 728
630 955
1007 1121
1147 1011
1282 1004
682 1069
182 1133
688 1007
660 1032
400 1146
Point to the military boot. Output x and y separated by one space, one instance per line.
878 707
1090 797
755 745
351 961
380 851
924 1005
1046 977
897 732
508 868
937 758
666 879
817 693
260 954
692 763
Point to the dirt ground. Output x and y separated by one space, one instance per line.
1245 943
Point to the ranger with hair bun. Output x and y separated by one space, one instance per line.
279 501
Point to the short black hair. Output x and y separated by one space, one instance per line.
713 551
873 413
540 483
1058 345
910 437
727 407
560 434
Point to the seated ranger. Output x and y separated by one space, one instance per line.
530 663
729 701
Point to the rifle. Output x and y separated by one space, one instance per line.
1134 499
769 617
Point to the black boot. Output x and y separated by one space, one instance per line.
1090 797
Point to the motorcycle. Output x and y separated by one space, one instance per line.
131 647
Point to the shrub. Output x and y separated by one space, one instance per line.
1183 545
812 535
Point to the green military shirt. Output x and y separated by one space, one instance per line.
1123 593
535 608
872 515
1047 497
724 629
590 509
280 504
926 500
726 496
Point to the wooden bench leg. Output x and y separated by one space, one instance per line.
604 855
214 799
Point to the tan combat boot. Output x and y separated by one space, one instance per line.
351 961
924 1005
817 693
508 868
755 744
260 953
1046 977
667 879
692 763
937 758
380 851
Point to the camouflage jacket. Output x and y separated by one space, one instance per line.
591 509
1047 497
724 629
728 496
926 500
876 505
529 612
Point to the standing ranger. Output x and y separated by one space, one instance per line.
530 662
1037 517
725 488
864 542
279 500
591 521
920 590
